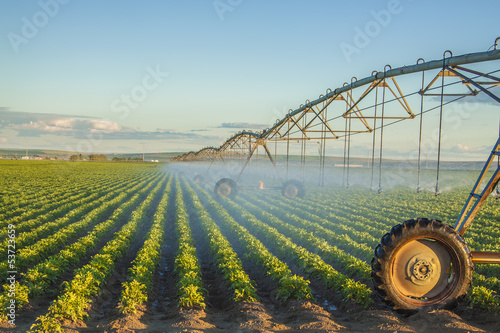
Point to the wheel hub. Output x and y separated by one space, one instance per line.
224 190
421 269
291 191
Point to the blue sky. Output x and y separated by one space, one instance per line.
110 76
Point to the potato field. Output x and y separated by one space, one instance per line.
137 247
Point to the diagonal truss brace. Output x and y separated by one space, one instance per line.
259 142
355 112
448 72
476 199
479 85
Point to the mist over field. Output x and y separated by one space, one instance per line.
454 175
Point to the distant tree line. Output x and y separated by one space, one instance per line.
130 159
76 157
97 158
91 157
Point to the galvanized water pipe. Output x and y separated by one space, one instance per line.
419 67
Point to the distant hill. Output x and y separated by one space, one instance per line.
65 155
19 153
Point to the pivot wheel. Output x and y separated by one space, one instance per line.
226 188
422 264
292 189
199 179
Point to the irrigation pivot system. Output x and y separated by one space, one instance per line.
420 263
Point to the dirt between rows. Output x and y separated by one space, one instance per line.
272 316
295 316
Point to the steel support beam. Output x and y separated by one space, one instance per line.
479 257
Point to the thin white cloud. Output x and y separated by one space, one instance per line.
104 125
42 124
463 148
65 126
64 122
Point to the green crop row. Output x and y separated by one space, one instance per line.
319 229
44 225
187 266
36 185
310 263
140 278
227 261
340 212
89 279
290 286
349 264
32 218
42 249
27 212
338 224
37 279
51 197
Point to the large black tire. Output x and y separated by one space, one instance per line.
422 264
226 187
293 189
